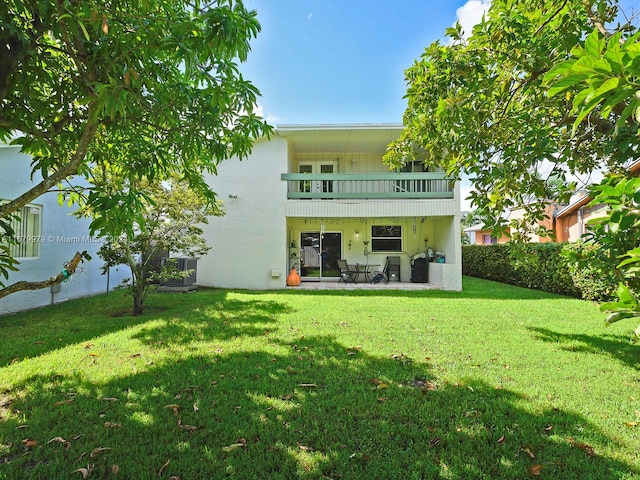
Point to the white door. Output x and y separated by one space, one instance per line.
317 167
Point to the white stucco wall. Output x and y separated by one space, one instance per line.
61 236
249 242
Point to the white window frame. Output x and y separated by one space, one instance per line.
394 238
28 234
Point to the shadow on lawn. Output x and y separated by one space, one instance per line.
615 346
29 334
316 409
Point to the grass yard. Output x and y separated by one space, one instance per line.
495 382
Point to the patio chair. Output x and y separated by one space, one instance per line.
383 275
347 273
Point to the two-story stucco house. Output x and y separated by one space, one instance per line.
48 236
312 194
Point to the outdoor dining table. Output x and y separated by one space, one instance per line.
365 270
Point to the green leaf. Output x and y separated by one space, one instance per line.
593 45
617 316
625 296
84 30
607 86
566 82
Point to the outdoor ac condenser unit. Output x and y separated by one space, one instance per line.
183 264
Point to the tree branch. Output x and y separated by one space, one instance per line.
546 22
69 269
59 175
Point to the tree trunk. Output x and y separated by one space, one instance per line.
138 300
138 289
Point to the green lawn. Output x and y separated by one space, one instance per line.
493 382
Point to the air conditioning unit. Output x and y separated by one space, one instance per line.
183 264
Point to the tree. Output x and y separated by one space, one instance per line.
603 78
138 88
533 90
480 107
170 222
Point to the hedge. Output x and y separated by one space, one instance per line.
540 266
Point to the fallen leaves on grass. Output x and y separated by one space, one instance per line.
588 449
98 451
189 428
528 451
66 443
237 445
305 448
536 470
307 385
402 358
64 402
188 391
166 464
29 443
631 424
502 439
85 471
174 407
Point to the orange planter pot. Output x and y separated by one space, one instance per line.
293 280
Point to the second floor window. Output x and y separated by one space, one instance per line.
386 238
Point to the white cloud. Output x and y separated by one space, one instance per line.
310 16
470 14
259 110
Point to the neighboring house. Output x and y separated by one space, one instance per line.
571 222
478 235
313 194
48 237
550 208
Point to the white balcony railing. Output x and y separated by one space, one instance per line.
430 185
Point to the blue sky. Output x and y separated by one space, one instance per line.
343 61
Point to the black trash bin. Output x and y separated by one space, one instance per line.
420 270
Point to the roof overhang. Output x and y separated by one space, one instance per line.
346 138
569 209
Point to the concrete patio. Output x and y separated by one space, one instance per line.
334 285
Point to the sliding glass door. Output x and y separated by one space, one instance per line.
319 254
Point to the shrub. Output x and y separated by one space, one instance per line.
540 266
590 274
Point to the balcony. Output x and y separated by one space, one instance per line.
386 186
